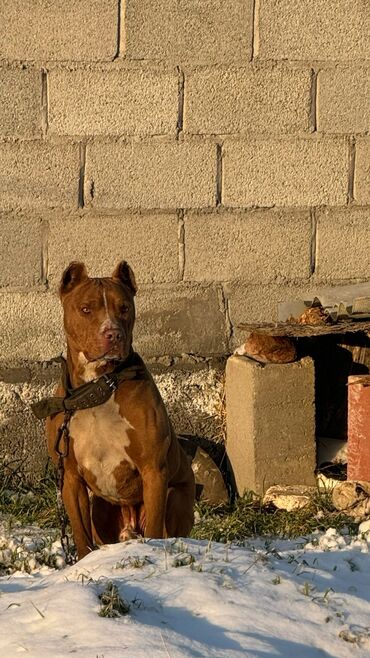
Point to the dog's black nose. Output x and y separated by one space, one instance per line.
113 335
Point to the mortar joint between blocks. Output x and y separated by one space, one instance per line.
81 178
351 169
181 242
219 175
226 312
314 242
313 100
119 10
45 253
44 102
255 29
181 96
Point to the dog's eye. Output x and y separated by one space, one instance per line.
85 310
123 309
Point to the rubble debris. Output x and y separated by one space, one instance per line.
289 498
352 498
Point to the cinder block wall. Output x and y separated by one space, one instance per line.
221 146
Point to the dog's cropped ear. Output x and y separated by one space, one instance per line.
124 273
74 274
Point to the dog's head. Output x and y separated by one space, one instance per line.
99 313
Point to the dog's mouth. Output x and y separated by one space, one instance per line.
113 354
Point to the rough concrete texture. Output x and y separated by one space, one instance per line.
244 100
270 420
343 244
30 327
38 174
106 102
20 102
285 172
180 319
171 319
193 399
256 246
343 100
21 241
196 31
362 171
152 174
148 242
22 436
320 30
59 30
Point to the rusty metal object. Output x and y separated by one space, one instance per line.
359 428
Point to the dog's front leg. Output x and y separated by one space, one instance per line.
155 484
77 504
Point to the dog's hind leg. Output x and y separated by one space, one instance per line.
180 509
106 521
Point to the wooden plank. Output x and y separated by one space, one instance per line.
296 330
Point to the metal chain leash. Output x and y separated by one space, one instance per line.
63 434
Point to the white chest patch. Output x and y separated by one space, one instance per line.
100 439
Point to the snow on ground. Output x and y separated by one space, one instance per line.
291 599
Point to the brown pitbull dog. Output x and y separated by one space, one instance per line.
124 451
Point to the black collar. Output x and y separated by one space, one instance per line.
91 394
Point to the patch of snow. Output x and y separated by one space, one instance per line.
305 598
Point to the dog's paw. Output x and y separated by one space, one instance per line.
127 533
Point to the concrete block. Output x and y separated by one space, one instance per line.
245 100
148 242
343 244
196 31
30 327
362 171
38 174
20 102
180 319
21 246
320 30
285 172
123 102
270 420
59 30
343 100
151 174
256 246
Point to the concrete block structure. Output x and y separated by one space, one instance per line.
221 146
270 416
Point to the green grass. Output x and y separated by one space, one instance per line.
28 504
246 517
